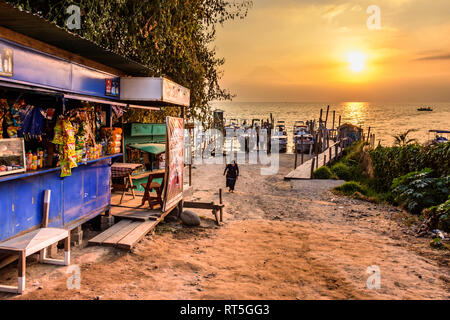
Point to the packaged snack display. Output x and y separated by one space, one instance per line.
113 137
53 138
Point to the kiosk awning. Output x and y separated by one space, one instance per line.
153 91
154 148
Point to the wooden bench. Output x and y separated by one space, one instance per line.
33 242
215 208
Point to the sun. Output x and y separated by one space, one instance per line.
357 61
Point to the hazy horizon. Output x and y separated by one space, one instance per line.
331 102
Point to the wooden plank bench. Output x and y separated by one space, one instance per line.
215 208
33 242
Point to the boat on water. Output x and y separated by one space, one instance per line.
232 124
244 124
280 135
425 109
256 123
303 139
441 136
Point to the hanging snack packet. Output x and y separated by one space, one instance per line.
58 139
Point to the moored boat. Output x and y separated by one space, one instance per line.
280 135
441 136
303 140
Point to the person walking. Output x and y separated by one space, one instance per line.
232 172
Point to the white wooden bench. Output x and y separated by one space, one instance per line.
33 242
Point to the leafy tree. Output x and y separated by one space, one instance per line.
172 37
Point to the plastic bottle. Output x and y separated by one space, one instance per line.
29 160
41 159
35 162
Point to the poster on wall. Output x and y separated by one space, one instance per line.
6 62
112 87
174 162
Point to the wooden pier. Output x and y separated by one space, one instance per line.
305 171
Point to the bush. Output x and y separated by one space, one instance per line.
349 188
393 162
323 173
420 190
342 171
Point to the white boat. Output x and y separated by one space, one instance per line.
280 135
441 136
303 140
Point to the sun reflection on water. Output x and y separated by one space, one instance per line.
355 112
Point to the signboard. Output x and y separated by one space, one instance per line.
153 89
174 162
20 64
174 93
112 87
7 62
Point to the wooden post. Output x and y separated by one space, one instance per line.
326 117
47 195
44 224
328 139
190 174
317 161
21 271
295 150
368 134
339 121
334 116
329 153
301 148
324 159
320 118
312 167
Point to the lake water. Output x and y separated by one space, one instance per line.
385 119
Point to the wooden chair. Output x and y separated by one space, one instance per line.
36 241
158 187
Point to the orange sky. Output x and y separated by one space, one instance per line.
297 50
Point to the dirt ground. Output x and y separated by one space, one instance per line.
280 240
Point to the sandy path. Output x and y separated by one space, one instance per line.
280 241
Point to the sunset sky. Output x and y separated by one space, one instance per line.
322 50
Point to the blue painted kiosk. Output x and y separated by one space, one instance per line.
42 60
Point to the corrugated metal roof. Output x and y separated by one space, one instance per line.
38 28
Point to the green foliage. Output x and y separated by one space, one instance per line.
172 37
342 171
393 162
420 190
402 139
437 217
443 211
323 173
350 187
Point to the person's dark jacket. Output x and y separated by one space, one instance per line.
232 172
